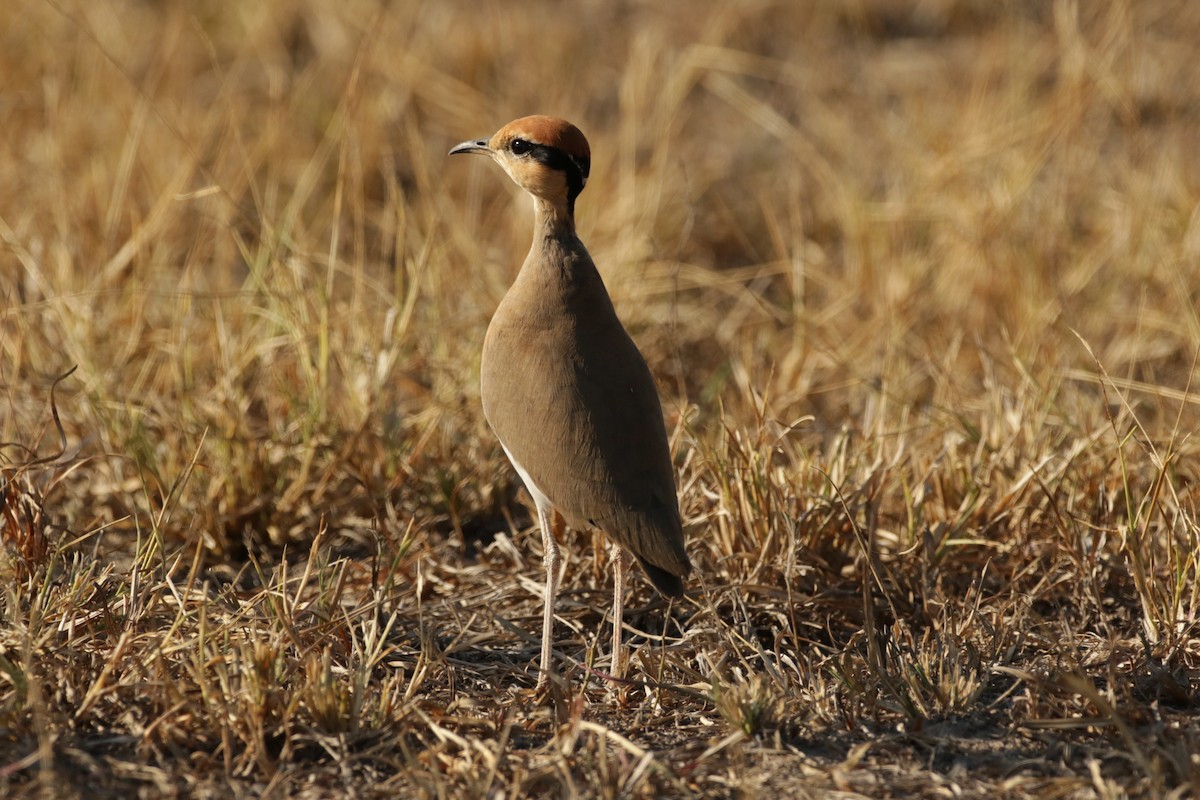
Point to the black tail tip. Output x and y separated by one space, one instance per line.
668 584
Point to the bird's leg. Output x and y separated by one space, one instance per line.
620 561
552 559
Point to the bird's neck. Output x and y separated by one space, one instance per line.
557 260
552 220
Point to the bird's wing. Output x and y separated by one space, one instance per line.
576 406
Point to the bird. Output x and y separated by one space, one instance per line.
567 392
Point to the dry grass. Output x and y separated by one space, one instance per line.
920 284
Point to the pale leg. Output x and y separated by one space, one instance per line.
552 560
620 560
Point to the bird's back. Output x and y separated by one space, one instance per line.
571 399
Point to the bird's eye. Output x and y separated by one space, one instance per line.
520 147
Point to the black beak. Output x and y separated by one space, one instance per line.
480 146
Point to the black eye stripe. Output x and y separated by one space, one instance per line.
575 168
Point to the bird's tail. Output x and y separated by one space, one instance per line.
668 583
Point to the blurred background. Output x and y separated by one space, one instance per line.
240 224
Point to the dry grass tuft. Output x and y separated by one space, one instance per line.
919 284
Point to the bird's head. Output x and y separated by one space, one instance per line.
546 156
